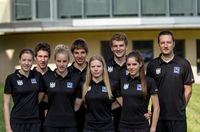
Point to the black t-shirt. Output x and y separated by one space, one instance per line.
61 96
134 104
98 111
170 79
24 92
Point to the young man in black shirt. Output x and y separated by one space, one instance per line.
174 78
117 65
42 56
79 50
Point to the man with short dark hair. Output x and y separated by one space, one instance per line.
173 76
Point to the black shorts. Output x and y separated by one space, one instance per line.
134 130
171 126
59 129
25 127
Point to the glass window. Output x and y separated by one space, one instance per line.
105 50
145 47
43 8
181 7
97 8
22 9
153 7
180 48
69 8
198 56
125 7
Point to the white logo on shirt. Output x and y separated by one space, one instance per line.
52 84
177 70
110 69
158 71
89 88
33 81
69 85
126 86
139 87
104 89
19 82
127 72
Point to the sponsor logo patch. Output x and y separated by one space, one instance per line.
158 71
33 81
104 89
139 87
69 85
177 70
126 86
110 69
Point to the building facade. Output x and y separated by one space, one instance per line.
24 23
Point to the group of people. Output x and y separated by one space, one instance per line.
98 95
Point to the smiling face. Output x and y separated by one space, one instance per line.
166 44
133 66
79 56
119 48
61 60
26 61
42 59
96 68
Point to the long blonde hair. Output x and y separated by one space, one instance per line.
89 76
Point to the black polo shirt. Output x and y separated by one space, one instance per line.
98 112
134 104
61 96
24 91
170 79
115 71
78 73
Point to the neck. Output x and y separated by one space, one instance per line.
167 58
42 71
97 79
63 74
80 67
134 76
24 72
120 61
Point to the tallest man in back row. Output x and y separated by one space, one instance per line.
174 78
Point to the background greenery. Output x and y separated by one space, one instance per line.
193 110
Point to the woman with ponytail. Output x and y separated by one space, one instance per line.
134 93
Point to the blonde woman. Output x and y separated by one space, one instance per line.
97 96
61 87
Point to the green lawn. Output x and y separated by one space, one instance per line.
193 110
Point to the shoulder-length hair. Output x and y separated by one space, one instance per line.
104 75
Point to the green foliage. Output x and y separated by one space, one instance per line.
193 110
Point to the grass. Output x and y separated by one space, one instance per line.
193 110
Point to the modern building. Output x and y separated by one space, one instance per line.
24 23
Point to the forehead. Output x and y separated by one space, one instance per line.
115 42
79 50
165 37
42 52
132 60
96 62
61 56
26 55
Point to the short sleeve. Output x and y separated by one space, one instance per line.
152 88
8 85
188 75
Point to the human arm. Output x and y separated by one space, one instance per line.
77 104
156 112
6 109
187 93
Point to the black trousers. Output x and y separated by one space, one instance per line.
26 127
86 130
171 126
59 129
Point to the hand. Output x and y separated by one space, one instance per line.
152 129
148 115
